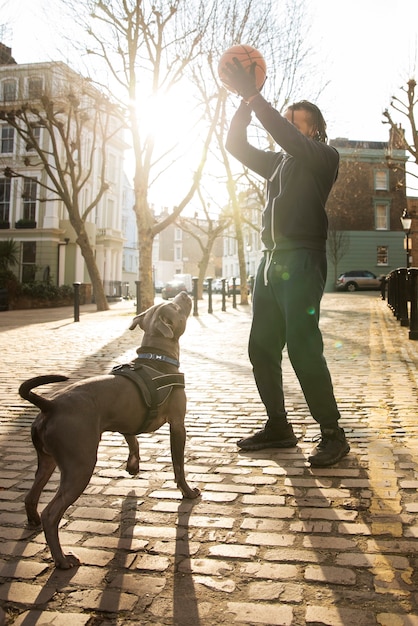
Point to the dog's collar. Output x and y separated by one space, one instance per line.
158 357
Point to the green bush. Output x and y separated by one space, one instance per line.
45 291
8 280
25 223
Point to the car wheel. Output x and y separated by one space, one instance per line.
351 287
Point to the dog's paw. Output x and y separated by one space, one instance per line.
34 523
190 493
132 466
67 562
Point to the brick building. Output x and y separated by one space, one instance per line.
412 206
365 207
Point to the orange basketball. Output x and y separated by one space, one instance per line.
247 55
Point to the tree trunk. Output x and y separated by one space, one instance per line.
203 266
96 281
145 268
241 253
145 221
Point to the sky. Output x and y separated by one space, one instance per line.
367 50
364 49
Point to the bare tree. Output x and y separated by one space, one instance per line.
338 244
145 48
79 122
148 48
277 30
232 22
406 106
205 231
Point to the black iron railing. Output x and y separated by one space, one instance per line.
402 297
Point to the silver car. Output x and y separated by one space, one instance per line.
358 279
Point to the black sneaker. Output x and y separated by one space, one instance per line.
283 438
333 446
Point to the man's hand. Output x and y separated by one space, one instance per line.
241 80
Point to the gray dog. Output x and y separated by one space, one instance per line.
67 431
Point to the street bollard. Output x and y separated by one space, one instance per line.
195 281
390 290
252 281
413 294
234 295
210 308
383 282
395 295
394 285
76 301
402 312
138 297
223 294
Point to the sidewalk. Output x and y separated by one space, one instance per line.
271 541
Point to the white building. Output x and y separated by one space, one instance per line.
130 262
251 226
35 218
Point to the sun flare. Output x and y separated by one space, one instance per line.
167 117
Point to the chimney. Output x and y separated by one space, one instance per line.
6 55
397 138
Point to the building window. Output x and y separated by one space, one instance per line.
232 246
7 139
28 261
178 252
110 214
5 186
35 86
381 180
29 199
111 169
9 90
178 234
382 216
382 255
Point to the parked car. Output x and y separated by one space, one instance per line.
172 288
217 285
187 279
358 279
230 287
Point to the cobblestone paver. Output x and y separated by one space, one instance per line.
271 541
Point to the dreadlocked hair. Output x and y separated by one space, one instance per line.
316 117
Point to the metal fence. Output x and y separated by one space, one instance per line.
402 297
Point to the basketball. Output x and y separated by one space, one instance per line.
247 55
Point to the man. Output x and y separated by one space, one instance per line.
291 277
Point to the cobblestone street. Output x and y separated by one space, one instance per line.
271 541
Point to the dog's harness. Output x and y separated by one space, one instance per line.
153 386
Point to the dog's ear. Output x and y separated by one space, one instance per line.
152 316
137 320
165 327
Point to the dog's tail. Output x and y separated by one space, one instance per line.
26 387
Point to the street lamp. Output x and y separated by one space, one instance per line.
406 225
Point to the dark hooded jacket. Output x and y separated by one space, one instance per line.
299 178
